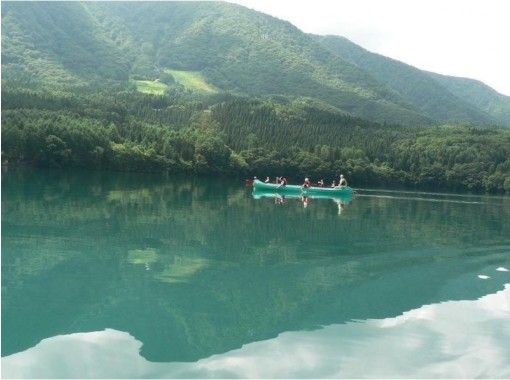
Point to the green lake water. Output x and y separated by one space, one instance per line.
110 275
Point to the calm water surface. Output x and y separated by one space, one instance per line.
136 275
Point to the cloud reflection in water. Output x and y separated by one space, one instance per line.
451 339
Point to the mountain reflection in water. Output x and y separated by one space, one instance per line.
449 339
193 268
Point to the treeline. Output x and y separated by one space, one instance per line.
63 139
223 134
311 139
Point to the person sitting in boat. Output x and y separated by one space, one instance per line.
333 184
277 180
283 181
267 180
321 183
307 183
342 182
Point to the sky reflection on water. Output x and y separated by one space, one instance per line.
466 339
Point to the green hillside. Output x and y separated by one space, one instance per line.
57 45
215 47
478 94
416 86
265 56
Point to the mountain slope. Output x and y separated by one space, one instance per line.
478 94
416 86
247 52
52 42
236 49
229 48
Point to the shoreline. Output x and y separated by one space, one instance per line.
243 177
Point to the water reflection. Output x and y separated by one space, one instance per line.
281 199
197 267
460 339
341 205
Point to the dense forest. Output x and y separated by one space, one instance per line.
179 87
232 135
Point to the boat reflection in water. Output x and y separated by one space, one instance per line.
340 200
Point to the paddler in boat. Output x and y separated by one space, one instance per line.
267 180
333 184
321 183
307 183
342 182
283 182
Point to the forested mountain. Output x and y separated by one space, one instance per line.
69 45
56 44
441 97
205 87
236 49
478 94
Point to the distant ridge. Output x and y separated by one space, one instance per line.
478 94
67 46
424 91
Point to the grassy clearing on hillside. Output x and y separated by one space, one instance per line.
152 87
193 80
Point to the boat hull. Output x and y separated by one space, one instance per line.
299 190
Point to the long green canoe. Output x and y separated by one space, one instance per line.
295 189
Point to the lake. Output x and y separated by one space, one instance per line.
140 275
